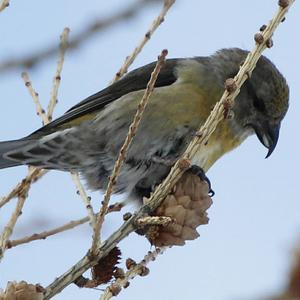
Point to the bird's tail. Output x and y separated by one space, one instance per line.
6 147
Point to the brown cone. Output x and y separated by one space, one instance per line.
22 291
187 205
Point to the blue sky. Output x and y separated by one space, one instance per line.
246 250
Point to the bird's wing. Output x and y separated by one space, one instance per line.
133 81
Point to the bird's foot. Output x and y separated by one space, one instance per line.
200 172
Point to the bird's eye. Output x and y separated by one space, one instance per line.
259 105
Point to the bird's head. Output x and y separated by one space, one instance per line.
263 99
263 103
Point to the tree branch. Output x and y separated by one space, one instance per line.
139 269
155 24
123 151
21 190
4 4
79 39
67 226
85 198
203 135
57 76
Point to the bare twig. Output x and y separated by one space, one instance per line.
8 230
85 198
4 4
89 261
43 235
35 97
136 270
161 220
155 24
47 117
129 60
129 226
21 190
219 110
122 154
67 226
78 39
53 101
57 77
33 175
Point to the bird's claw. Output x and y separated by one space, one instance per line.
200 172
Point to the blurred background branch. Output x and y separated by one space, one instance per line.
79 38
190 30
4 4
291 291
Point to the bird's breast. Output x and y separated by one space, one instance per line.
225 138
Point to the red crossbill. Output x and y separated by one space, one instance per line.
87 138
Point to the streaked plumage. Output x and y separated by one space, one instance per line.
88 137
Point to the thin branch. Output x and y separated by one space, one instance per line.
35 97
4 4
53 101
136 270
67 226
57 77
33 175
155 24
129 226
8 229
43 235
78 39
122 154
133 127
89 261
161 220
220 109
21 190
85 198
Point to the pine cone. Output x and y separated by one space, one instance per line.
187 205
102 272
22 291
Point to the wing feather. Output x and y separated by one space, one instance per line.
133 81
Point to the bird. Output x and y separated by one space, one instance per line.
88 137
